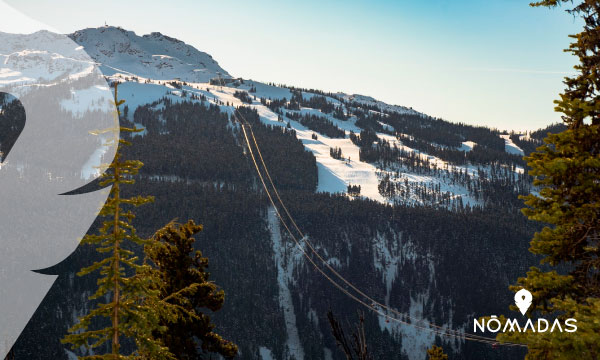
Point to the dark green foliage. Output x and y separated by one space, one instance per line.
527 145
536 138
365 140
165 154
567 171
184 283
552 129
339 113
371 122
499 187
292 166
12 122
175 84
243 96
490 244
443 132
336 153
353 190
313 102
317 123
236 239
436 353
386 188
478 155
131 312
355 346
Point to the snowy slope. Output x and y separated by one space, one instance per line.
147 66
510 147
368 100
334 175
40 57
155 55
155 66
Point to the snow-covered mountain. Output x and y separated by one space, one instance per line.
363 149
153 67
370 101
40 57
153 56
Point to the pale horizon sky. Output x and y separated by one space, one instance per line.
495 63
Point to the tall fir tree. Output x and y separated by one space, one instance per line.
131 312
567 171
181 278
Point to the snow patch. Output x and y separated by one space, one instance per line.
285 258
510 147
265 354
467 146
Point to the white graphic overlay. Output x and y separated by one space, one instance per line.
65 99
523 300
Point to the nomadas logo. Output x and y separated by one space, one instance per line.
523 300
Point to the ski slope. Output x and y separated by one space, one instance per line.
148 66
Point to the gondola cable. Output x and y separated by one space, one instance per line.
442 331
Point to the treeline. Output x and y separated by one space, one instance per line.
373 149
536 138
317 123
336 153
243 96
292 167
425 128
314 102
231 205
12 122
497 186
448 245
552 129
163 153
215 155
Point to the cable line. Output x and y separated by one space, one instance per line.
430 326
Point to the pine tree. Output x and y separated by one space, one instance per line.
355 346
122 277
567 170
436 353
183 282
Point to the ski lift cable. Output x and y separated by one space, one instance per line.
324 261
340 287
442 331
432 327
303 237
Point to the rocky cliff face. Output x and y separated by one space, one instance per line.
154 56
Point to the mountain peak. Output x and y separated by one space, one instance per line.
159 36
154 55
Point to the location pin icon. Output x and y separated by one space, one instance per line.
523 300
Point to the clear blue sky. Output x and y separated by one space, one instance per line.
491 62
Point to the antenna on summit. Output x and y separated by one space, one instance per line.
220 80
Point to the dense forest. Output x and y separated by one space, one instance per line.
304 201
197 167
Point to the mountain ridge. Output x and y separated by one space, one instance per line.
390 197
154 54
151 69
